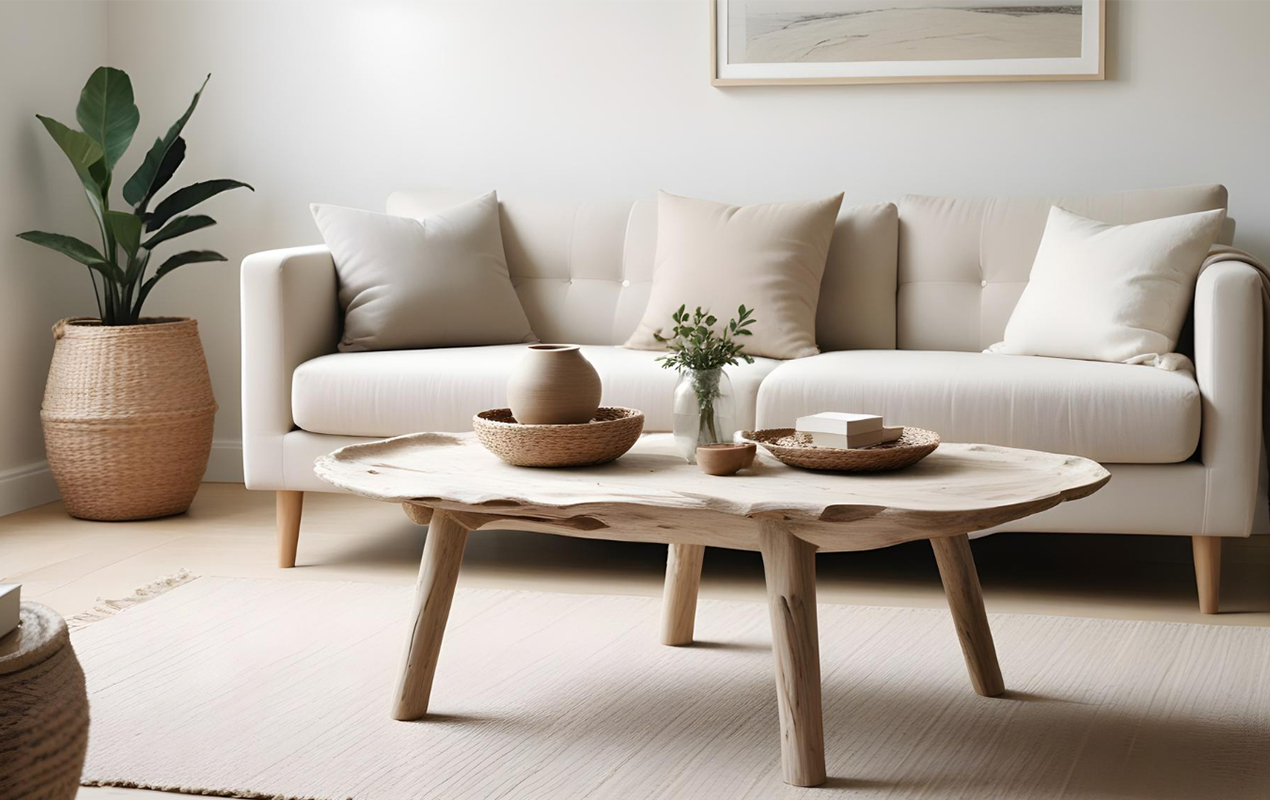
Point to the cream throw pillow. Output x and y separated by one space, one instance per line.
1103 292
770 257
440 281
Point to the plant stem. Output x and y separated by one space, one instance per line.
96 295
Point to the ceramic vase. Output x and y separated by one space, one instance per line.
553 384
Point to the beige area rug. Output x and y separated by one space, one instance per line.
258 688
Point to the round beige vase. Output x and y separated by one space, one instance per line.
553 384
128 414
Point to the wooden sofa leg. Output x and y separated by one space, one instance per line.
1207 552
290 505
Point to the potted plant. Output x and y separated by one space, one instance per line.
704 411
128 407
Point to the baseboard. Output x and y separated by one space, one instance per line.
25 487
225 465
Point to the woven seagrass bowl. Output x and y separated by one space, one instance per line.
609 434
796 450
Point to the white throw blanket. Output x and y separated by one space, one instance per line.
1176 361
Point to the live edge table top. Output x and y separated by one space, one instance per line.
652 495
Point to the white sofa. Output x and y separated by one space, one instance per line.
911 296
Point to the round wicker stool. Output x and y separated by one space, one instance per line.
43 709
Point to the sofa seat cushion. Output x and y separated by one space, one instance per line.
389 393
1112 413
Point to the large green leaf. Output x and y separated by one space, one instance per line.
176 154
79 148
178 227
187 198
178 260
188 257
144 182
81 251
126 228
107 112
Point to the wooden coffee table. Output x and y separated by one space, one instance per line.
652 495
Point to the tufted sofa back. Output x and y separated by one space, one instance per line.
934 274
584 270
963 263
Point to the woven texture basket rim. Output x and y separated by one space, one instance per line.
912 446
41 634
92 326
495 416
610 433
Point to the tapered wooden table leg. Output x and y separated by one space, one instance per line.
679 597
965 599
789 565
438 572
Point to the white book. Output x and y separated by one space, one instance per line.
839 422
856 441
10 600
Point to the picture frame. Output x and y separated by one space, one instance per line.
865 41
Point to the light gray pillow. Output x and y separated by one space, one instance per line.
440 281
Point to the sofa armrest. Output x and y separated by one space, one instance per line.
290 314
1228 365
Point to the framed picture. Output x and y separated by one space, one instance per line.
764 42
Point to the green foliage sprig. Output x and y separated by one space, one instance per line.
694 345
108 118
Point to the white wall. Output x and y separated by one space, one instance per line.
344 102
47 51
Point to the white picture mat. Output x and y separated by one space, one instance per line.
1089 63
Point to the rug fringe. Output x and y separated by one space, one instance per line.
105 609
246 795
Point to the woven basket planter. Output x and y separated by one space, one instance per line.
128 414
43 710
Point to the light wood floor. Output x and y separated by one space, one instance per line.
68 564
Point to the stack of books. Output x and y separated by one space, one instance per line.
847 431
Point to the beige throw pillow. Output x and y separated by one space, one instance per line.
770 257
440 281
1103 292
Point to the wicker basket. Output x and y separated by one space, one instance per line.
43 710
128 415
796 450
611 433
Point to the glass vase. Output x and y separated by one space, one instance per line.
704 411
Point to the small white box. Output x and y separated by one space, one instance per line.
10 601
839 422
857 440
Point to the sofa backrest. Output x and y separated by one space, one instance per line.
584 271
963 263
935 274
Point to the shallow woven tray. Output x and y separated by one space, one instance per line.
607 436
796 450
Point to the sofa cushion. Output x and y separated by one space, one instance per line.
388 393
1113 413
769 257
1110 292
437 281
964 262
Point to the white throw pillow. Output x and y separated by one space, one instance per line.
1103 292
768 257
440 281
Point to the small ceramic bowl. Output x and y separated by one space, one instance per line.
725 459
